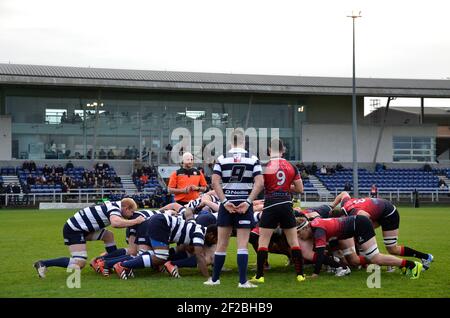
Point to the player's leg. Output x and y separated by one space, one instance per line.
390 226
223 239
366 235
77 247
296 252
262 252
106 236
349 251
242 236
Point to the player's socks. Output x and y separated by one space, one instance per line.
145 260
408 264
242 261
298 259
186 262
110 247
219 260
178 256
116 253
109 262
57 262
261 258
406 251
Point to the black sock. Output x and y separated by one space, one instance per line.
410 252
329 260
297 257
261 258
116 253
410 264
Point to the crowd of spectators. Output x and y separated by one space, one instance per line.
100 177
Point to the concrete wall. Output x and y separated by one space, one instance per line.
5 138
333 142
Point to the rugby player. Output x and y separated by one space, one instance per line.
89 224
154 237
280 179
358 227
382 213
237 180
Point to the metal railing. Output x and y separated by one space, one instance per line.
52 195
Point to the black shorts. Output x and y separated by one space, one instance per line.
363 229
72 237
391 219
277 214
236 220
155 228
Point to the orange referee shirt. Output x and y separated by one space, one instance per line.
182 178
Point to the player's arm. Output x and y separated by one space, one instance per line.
120 222
213 206
201 260
216 181
172 206
339 198
297 186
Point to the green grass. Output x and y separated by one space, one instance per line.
30 235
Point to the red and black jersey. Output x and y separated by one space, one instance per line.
376 208
325 230
278 177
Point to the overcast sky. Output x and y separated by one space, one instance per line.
394 39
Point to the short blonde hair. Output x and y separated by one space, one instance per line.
130 203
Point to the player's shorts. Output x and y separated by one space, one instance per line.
236 220
72 237
143 234
128 232
323 210
391 218
275 214
363 229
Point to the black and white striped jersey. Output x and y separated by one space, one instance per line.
194 204
146 214
94 218
185 232
237 170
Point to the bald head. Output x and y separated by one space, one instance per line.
187 160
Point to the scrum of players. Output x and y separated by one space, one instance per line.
339 237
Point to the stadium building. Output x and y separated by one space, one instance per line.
52 112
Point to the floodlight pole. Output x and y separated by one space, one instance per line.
354 16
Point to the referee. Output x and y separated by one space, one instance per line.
237 180
187 182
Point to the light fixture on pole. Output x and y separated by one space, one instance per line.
354 16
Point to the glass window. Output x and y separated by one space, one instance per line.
55 116
414 149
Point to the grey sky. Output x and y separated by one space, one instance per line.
396 39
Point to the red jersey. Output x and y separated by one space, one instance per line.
278 177
376 208
332 229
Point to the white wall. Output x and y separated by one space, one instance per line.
5 138
333 143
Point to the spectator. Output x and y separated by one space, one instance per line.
102 154
313 168
323 170
427 168
32 166
59 169
69 165
339 167
347 187
374 191
110 154
16 192
442 184
46 170
64 118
